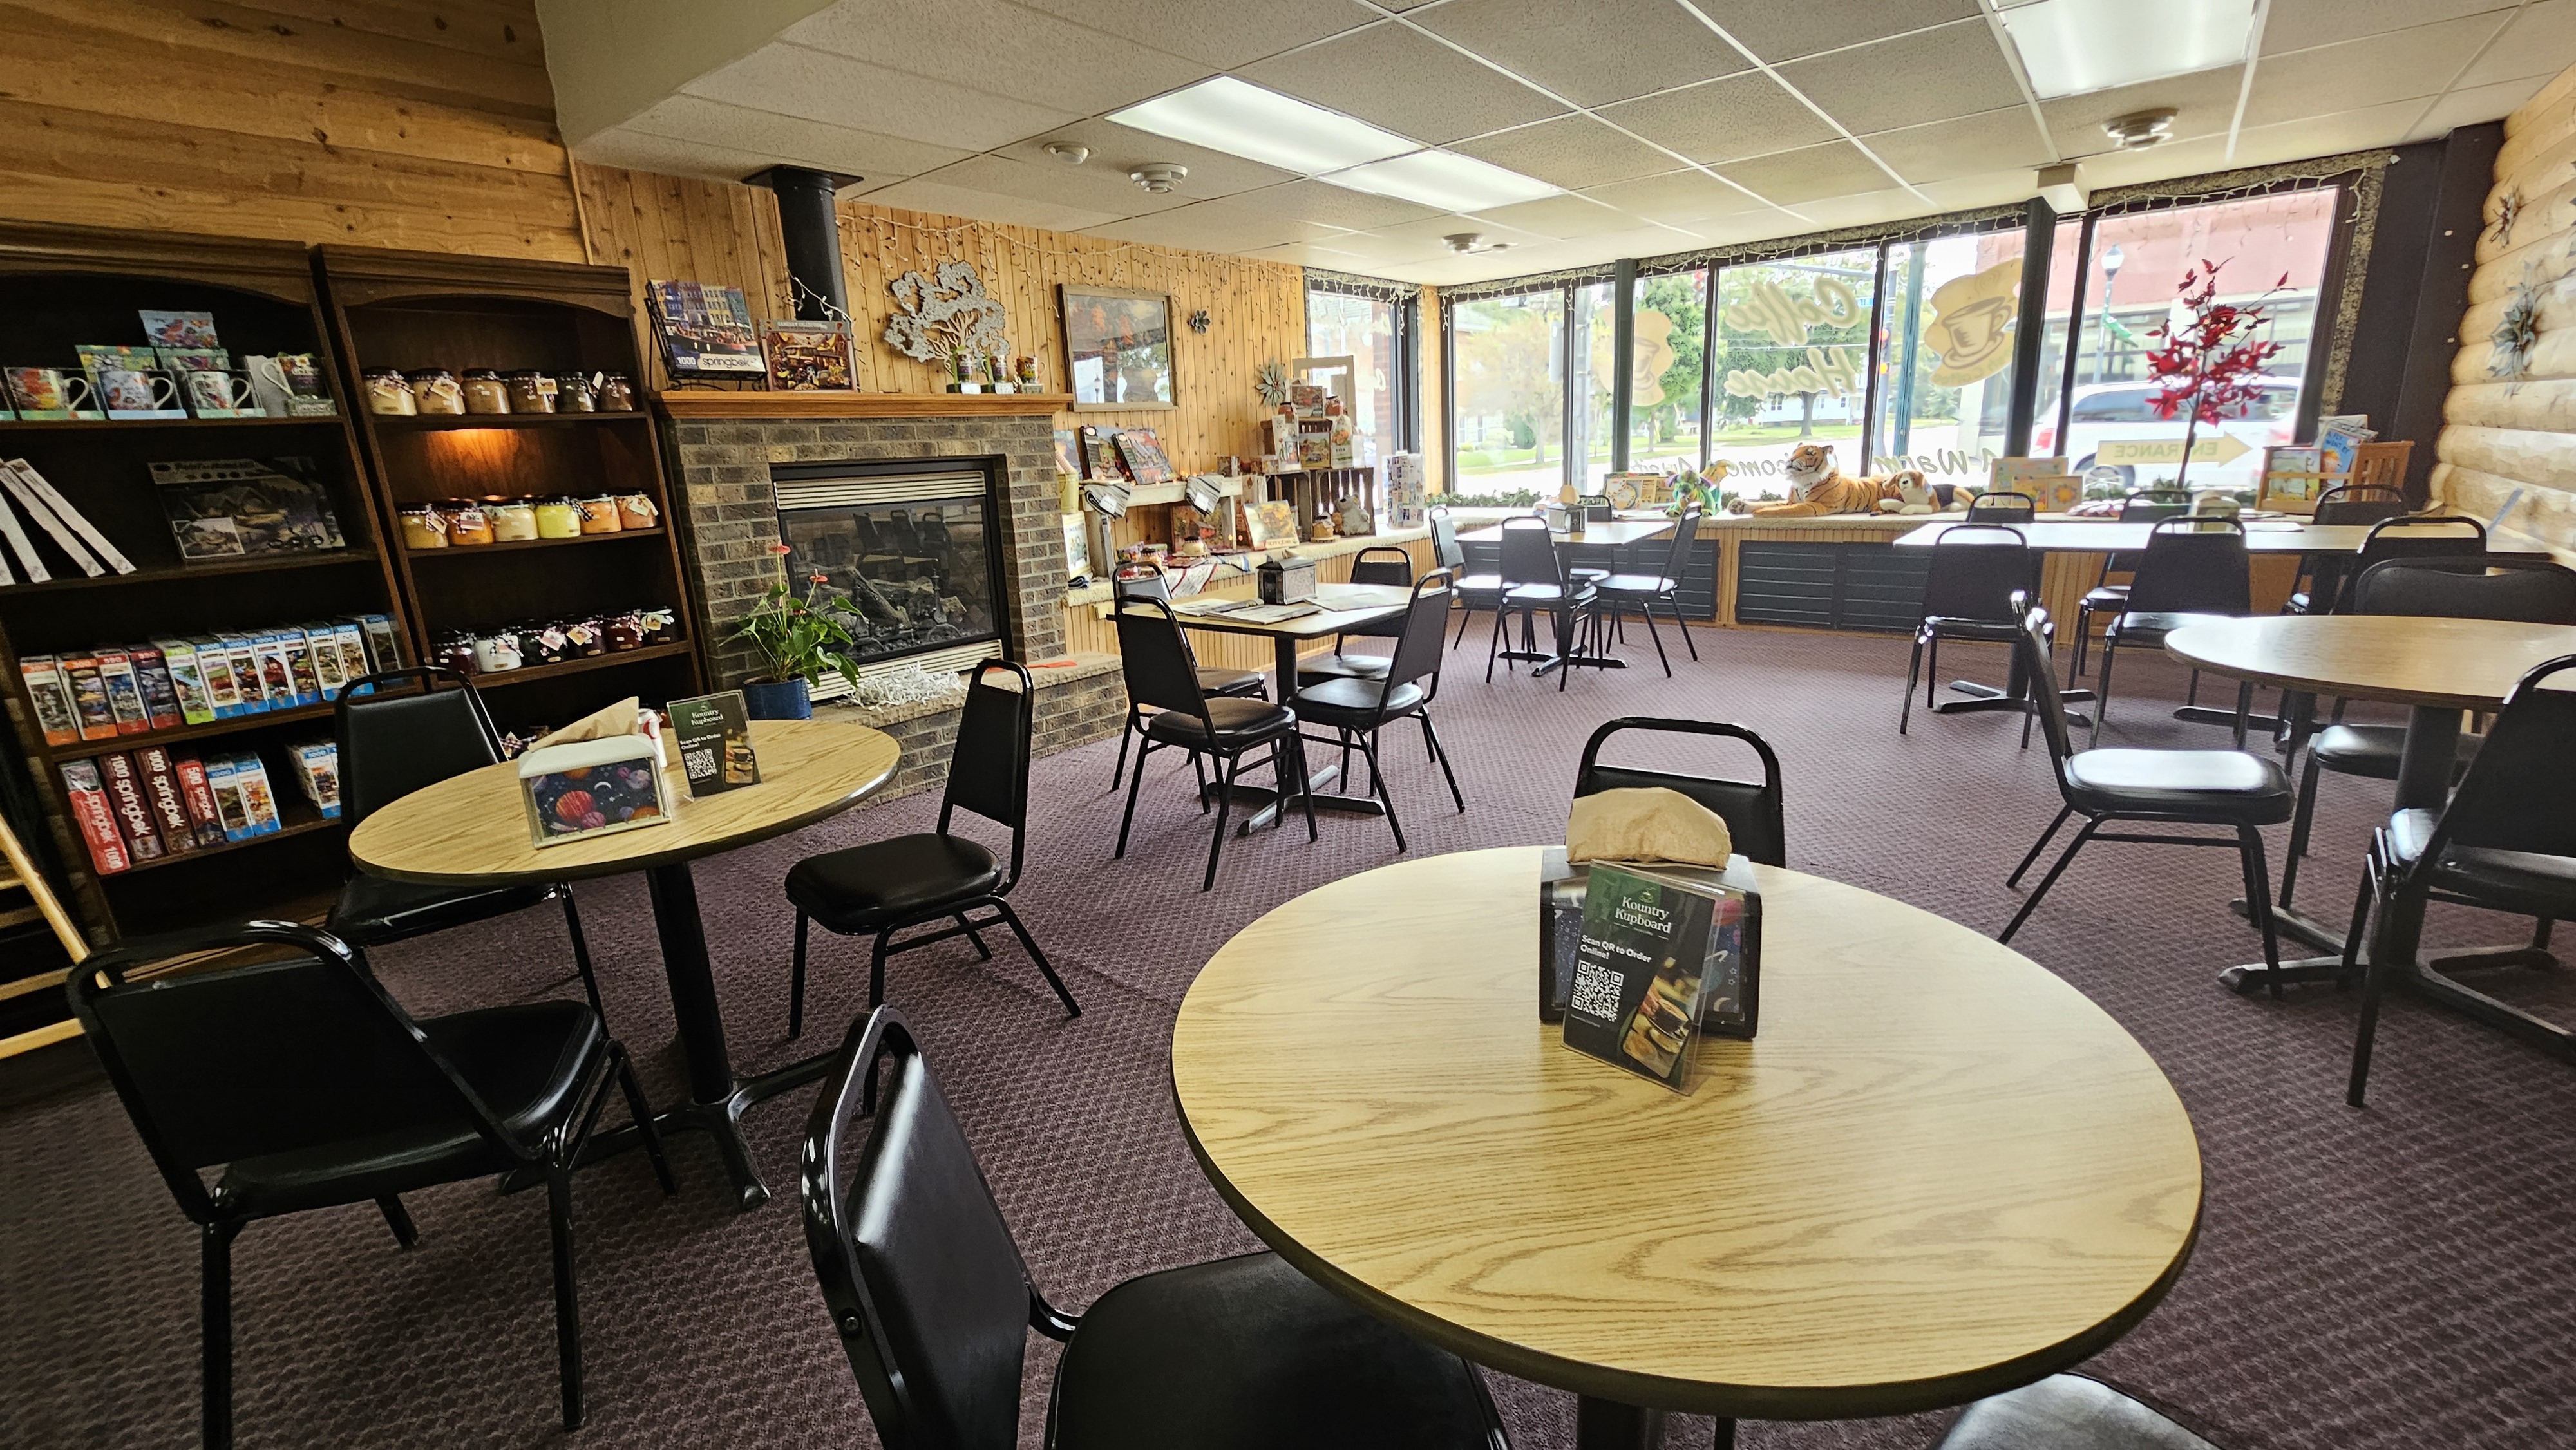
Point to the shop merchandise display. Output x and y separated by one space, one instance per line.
473 523
499 648
112 691
440 392
181 370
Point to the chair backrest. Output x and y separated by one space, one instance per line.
1976 570
988 768
2005 508
1752 810
1677 550
2520 792
2193 565
1156 659
1446 551
1529 553
917 1266
1383 564
1418 633
2532 591
1140 581
2358 504
2420 536
2046 698
392 744
2150 507
224 1064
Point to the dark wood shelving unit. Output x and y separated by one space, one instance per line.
289 823
61 286
410 310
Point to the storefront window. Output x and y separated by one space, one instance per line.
1364 329
1792 348
1595 338
1944 401
1668 367
1509 408
2066 252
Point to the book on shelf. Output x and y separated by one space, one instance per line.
124 692
243 798
1143 455
132 808
203 817
713 734
36 507
86 791
169 805
807 356
705 331
232 508
1663 961
160 691
384 650
187 681
97 714
51 690
317 771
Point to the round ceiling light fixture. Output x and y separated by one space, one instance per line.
1068 153
2140 128
1159 176
1467 243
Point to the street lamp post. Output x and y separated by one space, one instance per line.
2112 261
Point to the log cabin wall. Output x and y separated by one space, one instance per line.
2509 430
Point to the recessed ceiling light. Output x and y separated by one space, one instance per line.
2139 128
1443 179
2073 47
1159 177
1069 154
1241 119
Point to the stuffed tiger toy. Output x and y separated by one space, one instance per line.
1817 487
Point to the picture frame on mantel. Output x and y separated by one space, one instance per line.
1117 348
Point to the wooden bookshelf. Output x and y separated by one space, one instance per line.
410 310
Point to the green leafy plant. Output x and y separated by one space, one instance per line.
796 638
1519 498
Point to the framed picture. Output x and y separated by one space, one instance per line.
1117 347
807 356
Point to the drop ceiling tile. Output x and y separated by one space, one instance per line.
1117 150
1561 217
2204 102
2300 24
817 144
2473 104
1987 188
1778 32
1790 178
1428 238
1572 151
792 80
1592 52
1314 254
1679 198
1213 226
1073 66
1338 206
2156 163
1971 144
644 151
2418 61
1093 189
1724 120
1225 34
1864 208
2537 43
1019 211
1393 76
2358 129
1956 70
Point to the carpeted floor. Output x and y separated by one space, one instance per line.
2395 1278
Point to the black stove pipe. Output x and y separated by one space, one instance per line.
807 224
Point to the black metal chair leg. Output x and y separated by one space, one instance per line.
796 982
1681 624
1046 968
2244 710
1198 772
2374 984
2049 880
1466 616
982 951
1913 676
581 954
877 955
1128 820
2191 689
1224 808
215 1323
2083 637
2258 903
1377 787
1656 635
2102 688
1440 753
1305 788
641 1110
1493 646
406 1233
2038 846
567 1301
1126 735
1345 737
2300 823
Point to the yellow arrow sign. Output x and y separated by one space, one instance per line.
2208 448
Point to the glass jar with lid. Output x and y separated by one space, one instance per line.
599 515
453 650
388 393
437 391
558 518
636 511
531 391
468 526
587 636
544 644
485 392
496 650
574 395
616 394
424 527
513 520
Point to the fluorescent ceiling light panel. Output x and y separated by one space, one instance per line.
2073 47
1241 119
1443 179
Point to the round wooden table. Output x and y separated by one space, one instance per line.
471 830
1939 1172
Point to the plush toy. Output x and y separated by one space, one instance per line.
1817 487
1908 492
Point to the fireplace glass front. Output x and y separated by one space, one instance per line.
903 554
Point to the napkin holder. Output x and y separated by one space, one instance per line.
593 788
1286 581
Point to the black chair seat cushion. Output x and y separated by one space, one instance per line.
2516 881
373 910
1540 595
1342 666
1479 584
1249 1354
1953 626
2151 627
1214 681
1635 586
2223 785
1339 703
525 1062
1238 722
863 887
2106 598
2375 750
2067 1412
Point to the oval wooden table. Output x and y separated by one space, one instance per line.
2438 667
471 830
1939 1172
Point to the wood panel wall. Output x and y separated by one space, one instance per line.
376 122
2503 435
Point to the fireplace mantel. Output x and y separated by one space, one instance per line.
695 404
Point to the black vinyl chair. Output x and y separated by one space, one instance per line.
1644 591
1970 593
1471 592
2003 508
2195 568
1386 565
1352 707
888 886
933 1305
406 730
2068 1412
1535 578
1160 675
2505 842
1212 679
1752 809
310 1088
2530 590
2105 597
2319 587
2228 788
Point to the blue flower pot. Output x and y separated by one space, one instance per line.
777 700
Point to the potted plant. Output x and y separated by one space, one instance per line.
797 641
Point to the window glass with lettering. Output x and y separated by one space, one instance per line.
1792 351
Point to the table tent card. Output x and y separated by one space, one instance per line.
1662 961
713 736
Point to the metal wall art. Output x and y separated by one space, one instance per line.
946 316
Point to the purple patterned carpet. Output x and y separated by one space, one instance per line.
2395 1278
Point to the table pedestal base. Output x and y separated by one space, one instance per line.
1610 1425
1984 697
2427 979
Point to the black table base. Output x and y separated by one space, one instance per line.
1609 1425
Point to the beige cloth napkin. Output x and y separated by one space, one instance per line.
626 717
1649 824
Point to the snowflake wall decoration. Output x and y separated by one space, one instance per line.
1272 383
2508 211
945 316
2516 333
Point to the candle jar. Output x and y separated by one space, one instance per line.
424 527
497 650
573 395
468 526
388 393
623 633
513 520
599 515
586 637
544 644
616 395
636 511
485 392
558 518
660 625
436 391
454 651
531 391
